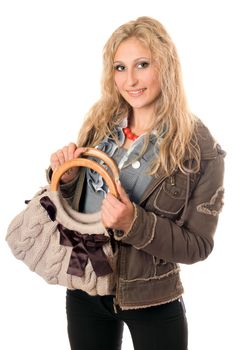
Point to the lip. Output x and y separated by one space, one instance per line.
136 92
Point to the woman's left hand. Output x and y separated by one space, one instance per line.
117 213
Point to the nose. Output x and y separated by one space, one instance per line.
132 78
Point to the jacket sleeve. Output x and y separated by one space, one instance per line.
193 241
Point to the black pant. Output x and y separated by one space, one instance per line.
93 324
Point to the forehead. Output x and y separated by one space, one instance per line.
130 49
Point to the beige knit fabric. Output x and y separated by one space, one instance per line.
34 239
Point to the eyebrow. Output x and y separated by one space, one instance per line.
136 59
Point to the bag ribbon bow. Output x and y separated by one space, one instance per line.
85 246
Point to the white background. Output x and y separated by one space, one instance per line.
50 65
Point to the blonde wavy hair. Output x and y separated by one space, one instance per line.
171 111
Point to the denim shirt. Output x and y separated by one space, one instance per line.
133 169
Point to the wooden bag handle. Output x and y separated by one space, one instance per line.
108 178
94 152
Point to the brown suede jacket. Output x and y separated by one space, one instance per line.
174 223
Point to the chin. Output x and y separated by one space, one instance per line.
137 105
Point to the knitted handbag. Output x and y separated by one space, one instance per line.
62 245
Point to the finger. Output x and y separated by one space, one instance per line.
113 201
109 204
113 210
122 194
107 217
61 157
79 151
65 153
71 151
54 161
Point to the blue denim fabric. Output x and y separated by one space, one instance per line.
134 177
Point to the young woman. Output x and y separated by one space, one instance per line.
170 193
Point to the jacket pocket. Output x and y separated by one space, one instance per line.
170 198
164 269
139 265
136 264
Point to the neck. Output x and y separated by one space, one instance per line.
140 123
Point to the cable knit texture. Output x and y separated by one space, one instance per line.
35 239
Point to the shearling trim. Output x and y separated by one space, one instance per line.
172 272
152 235
214 206
153 304
134 218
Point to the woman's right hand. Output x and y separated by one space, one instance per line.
64 154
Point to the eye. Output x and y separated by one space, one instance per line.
143 64
119 67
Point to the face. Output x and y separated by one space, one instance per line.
135 74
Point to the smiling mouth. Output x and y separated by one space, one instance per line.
136 93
